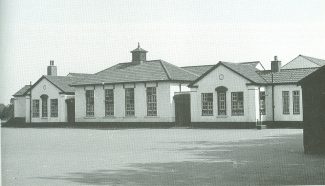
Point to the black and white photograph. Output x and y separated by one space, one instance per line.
162 92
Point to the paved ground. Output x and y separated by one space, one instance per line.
157 157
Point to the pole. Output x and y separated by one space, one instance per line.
272 99
30 102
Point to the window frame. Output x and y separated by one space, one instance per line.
109 102
90 103
44 107
206 104
129 102
296 102
54 108
262 99
224 101
237 105
151 101
35 108
286 103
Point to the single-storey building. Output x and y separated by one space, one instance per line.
313 92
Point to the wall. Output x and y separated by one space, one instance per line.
234 83
19 106
45 87
164 103
278 109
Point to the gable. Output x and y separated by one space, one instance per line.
221 75
300 62
44 86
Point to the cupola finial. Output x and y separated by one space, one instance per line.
138 44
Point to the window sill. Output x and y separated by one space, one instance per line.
89 117
151 117
238 115
109 117
222 116
129 117
207 115
44 117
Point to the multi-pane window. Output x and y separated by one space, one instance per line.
44 106
222 109
207 104
54 107
151 101
285 102
237 103
89 103
296 102
109 102
262 103
35 108
129 101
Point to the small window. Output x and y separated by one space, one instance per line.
54 107
207 104
89 103
129 101
109 102
151 101
35 108
262 103
296 102
237 103
222 108
285 102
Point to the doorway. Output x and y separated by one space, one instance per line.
70 110
182 110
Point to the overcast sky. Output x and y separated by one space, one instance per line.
87 36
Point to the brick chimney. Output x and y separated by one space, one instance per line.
275 65
51 70
139 55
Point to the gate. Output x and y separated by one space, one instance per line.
70 110
182 109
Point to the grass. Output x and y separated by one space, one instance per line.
157 157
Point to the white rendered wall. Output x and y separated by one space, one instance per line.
234 83
53 93
164 103
19 106
27 109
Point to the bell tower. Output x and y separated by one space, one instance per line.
139 55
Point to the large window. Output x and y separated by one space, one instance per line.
44 105
129 101
237 103
151 101
89 103
109 102
207 104
262 103
296 102
35 108
54 107
285 102
222 108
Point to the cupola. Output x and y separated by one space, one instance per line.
138 55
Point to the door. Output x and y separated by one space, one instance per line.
70 110
182 110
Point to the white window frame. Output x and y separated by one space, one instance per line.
296 102
90 103
54 107
285 102
109 102
207 104
237 105
222 103
35 108
151 101
129 102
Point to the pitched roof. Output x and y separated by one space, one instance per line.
286 75
22 91
320 62
63 82
155 70
78 74
198 70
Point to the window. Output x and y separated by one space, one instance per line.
151 101
89 103
44 105
35 108
262 103
222 109
109 102
207 104
237 103
285 102
296 102
54 107
129 102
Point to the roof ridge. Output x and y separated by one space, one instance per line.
197 66
165 69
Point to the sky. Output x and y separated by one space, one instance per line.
87 36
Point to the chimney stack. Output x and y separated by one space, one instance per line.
139 55
275 65
51 70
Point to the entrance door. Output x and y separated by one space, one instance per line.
182 110
70 110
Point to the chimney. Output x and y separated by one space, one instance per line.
275 65
51 70
138 55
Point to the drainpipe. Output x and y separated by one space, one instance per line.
30 102
259 104
272 99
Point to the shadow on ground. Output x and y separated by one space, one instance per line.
273 161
